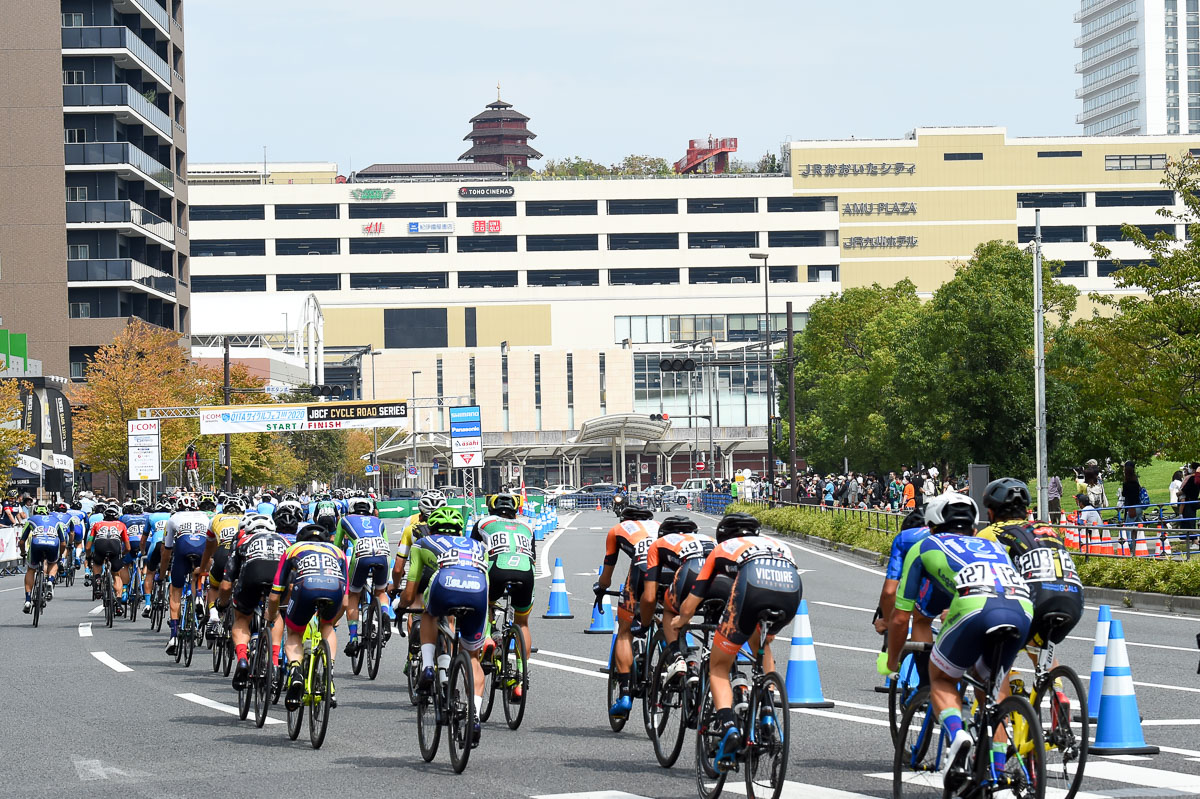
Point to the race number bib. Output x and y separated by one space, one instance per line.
370 547
691 549
1048 565
990 577
640 550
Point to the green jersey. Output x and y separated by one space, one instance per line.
509 542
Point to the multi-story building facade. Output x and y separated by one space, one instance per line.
95 203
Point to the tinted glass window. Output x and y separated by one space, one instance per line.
306 282
489 279
1050 199
577 241
561 208
643 277
306 247
1112 199
409 328
399 280
391 246
1053 233
221 247
397 210
630 207
800 204
643 241
728 205
723 274
802 238
214 283
1074 269
699 241
215 213
486 209
563 277
306 212
487 243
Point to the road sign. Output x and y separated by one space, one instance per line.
466 460
466 437
370 470
645 468
412 471
145 449
700 466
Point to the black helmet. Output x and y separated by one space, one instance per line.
952 512
915 518
735 525
312 532
111 512
635 513
1006 496
76 505
676 524
288 514
504 504
361 506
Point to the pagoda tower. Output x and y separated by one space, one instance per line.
499 136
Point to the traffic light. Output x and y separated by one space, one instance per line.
677 365
660 417
326 391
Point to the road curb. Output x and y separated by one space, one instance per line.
858 553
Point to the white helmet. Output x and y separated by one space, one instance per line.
953 511
187 502
260 524
430 501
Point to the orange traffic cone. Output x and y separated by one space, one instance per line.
1106 544
1140 549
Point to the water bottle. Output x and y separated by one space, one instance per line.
443 668
741 693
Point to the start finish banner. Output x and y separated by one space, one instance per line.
318 416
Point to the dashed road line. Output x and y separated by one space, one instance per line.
214 705
85 630
111 662
565 656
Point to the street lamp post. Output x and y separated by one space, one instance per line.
762 256
375 430
412 418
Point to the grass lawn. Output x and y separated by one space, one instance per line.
1156 477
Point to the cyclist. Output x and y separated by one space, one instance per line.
311 570
108 541
187 543
97 515
415 529
763 576
224 527
136 524
152 549
672 563
986 593
79 528
288 516
41 535
324 512
459 567
248 578
512 553
266 504
365 535
633 535
72 531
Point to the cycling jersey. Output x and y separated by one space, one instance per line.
109 540
932 601
366 537
224 527
188 534
414 530
152 542
265 508
252 568
41 537
78 524
71 530
324 513
459 567
634 539
511 551
1042 560
315 573
673 562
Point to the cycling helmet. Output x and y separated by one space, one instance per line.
161 507
291 497
312 532
445 521
187 503
61 507
505 505
953 512
98 508
111 512
232 506
736 525
128 507
288 514
259 524
915 518
430 501
41 510
1007 497
635 513
676 524
361 506
208 502
76 505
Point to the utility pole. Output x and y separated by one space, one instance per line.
791 360
762 256
1039 370
412 419
228 438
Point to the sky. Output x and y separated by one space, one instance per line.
366 81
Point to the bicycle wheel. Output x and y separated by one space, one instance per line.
261 672
460 711
37 596
429 725
322 695
108 599
218 652
246 692
1024 771
295 718
187 637
668 714
373 640
644 671
492 684
767 755
515 674
360 656
899 692
917 762
614 692
1058 697
412 665
709 779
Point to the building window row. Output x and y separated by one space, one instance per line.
1111 123
1104 199
1122 162
670 328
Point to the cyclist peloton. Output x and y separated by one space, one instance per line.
152 549
512 554
459 566
364 534
248 579
224 527
108 541
672 563
187 543
764 577
79 527
987 593
41 536
72 535
633 535
414 530
325 512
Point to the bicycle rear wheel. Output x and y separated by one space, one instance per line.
246 692
1025 771
38 588
429 726
360 655
492 685
515 674
644 671
1060 696
767 758
614 693
709 779
919 754
899 692
187 636
322 695
460 712
668 714
373 640
261 674
218 652
295 718
109 599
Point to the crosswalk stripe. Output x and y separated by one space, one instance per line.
591 795
1140 775
933 781
800 790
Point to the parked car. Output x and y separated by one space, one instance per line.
405 493
691 489
558 489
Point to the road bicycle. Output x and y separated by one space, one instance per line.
108 593
761 711
222 643
189 626
1060 700
136 589
450 702
507 670
648 645
316 666
38 595
257 688
372 634
158 604
917 766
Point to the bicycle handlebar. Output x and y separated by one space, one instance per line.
917 646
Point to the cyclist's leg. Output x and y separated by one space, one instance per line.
623 649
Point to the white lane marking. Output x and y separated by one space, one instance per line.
111 662
874 708
1191 619
827 556
1144 684
572 657
800 790
85 630
593 528
1170 722
1134 643
1124 757
1140 775
572 669
843 607
547 566
209 703
933 780
96 611
92 770
1174 751
830 714
591 795
14 588
851 648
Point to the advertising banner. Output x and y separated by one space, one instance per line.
466 437
145 449
222 419
58 410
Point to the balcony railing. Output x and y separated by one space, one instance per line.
120 269
113 37
1101 32
1112 52
1093 7
119 153
1125 74
1103 110
120 211
155 12
113 94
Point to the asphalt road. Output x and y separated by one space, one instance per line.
129 722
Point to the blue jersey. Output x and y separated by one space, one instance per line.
265 508
960 566
903 542
157 528
43 531
448 552
138 524
80 519
71 525
93 518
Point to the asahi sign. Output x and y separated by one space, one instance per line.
222 419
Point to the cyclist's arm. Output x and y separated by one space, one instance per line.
887 597
416 564
277 589
650 584
611 552
340 534
910 586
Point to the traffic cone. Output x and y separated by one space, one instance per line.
597 503
1099 653
559 607
803 680
603 617
1119 729
1140 549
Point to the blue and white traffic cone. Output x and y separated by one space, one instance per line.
1119 728
803 678
603 617
559 607
1099 654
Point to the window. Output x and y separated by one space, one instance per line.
1113 232
603 385
307 282
307 246
643 277
220 213
562 277
487 209
643 241
1061 153
223 283
81 310
1052 233
487 243
504 382
390 246
238 247
1113 199
637 207
1110 267
1050 199
783 274
329 211
1125 91
537 381
77 368
1112 123
400 280
800 204
723 274
1107 19
1129 62
78 252
502 279
823 274
75 135
575 241
641 329
471 372
1111 43
730 205
73 77
397 210
470 339
72 20
1074 269
411 328
76 194
561 208
570 380
702 241
802 238
1116 162
962 156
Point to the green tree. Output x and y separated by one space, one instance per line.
574 166
643 165
768 164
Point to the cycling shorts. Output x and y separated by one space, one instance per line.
253 585
375 566
109 550
41 553
216 571
186 557
78 536
460 588
305 595
631 594
681 584
520 587
154 556
1054 598
960 644
759 586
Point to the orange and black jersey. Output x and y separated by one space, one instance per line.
727 558
667 553
633 538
